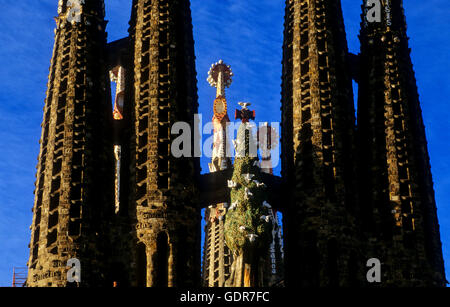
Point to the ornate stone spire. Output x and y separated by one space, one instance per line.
220 76
162 194
317 153
399 209
74 187
217 257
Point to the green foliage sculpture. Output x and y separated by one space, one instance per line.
248 222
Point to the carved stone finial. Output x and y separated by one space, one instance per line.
220 76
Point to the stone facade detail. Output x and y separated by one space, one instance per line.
73 174
317 147
162 197
111 196
217 257
397 196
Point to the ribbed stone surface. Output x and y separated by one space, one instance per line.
317 150
73 192
398 205
163 201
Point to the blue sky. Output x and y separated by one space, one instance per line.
247 35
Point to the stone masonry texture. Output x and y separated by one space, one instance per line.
73 191
397 197
348 191
317 144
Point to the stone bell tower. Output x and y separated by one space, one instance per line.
162 193
399 209
317 147
74 187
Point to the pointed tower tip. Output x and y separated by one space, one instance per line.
72 10
217 70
